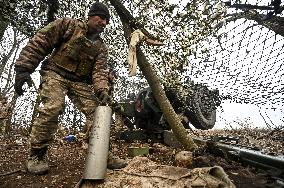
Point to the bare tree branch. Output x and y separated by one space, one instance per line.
275 23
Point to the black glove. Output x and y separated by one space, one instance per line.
103 96
21 78
117 108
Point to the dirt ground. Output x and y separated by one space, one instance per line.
67 163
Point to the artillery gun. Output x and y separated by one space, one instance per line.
194 103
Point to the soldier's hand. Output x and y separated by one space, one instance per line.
20 80
117 108
103 96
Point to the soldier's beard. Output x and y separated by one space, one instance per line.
95 29
99 29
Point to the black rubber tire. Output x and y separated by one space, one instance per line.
197 116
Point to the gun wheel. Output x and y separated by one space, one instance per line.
203 114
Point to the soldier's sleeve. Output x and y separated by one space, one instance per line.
100 73
43 42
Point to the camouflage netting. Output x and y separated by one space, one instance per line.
245 57
236 47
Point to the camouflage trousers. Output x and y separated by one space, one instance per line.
53 89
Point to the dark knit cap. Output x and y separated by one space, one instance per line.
99 9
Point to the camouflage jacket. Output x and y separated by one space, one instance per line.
50 40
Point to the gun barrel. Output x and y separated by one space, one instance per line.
248 156
255 158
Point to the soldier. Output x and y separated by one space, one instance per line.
75 65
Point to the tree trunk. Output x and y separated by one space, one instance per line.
7 13
52 9
172 118
3 27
